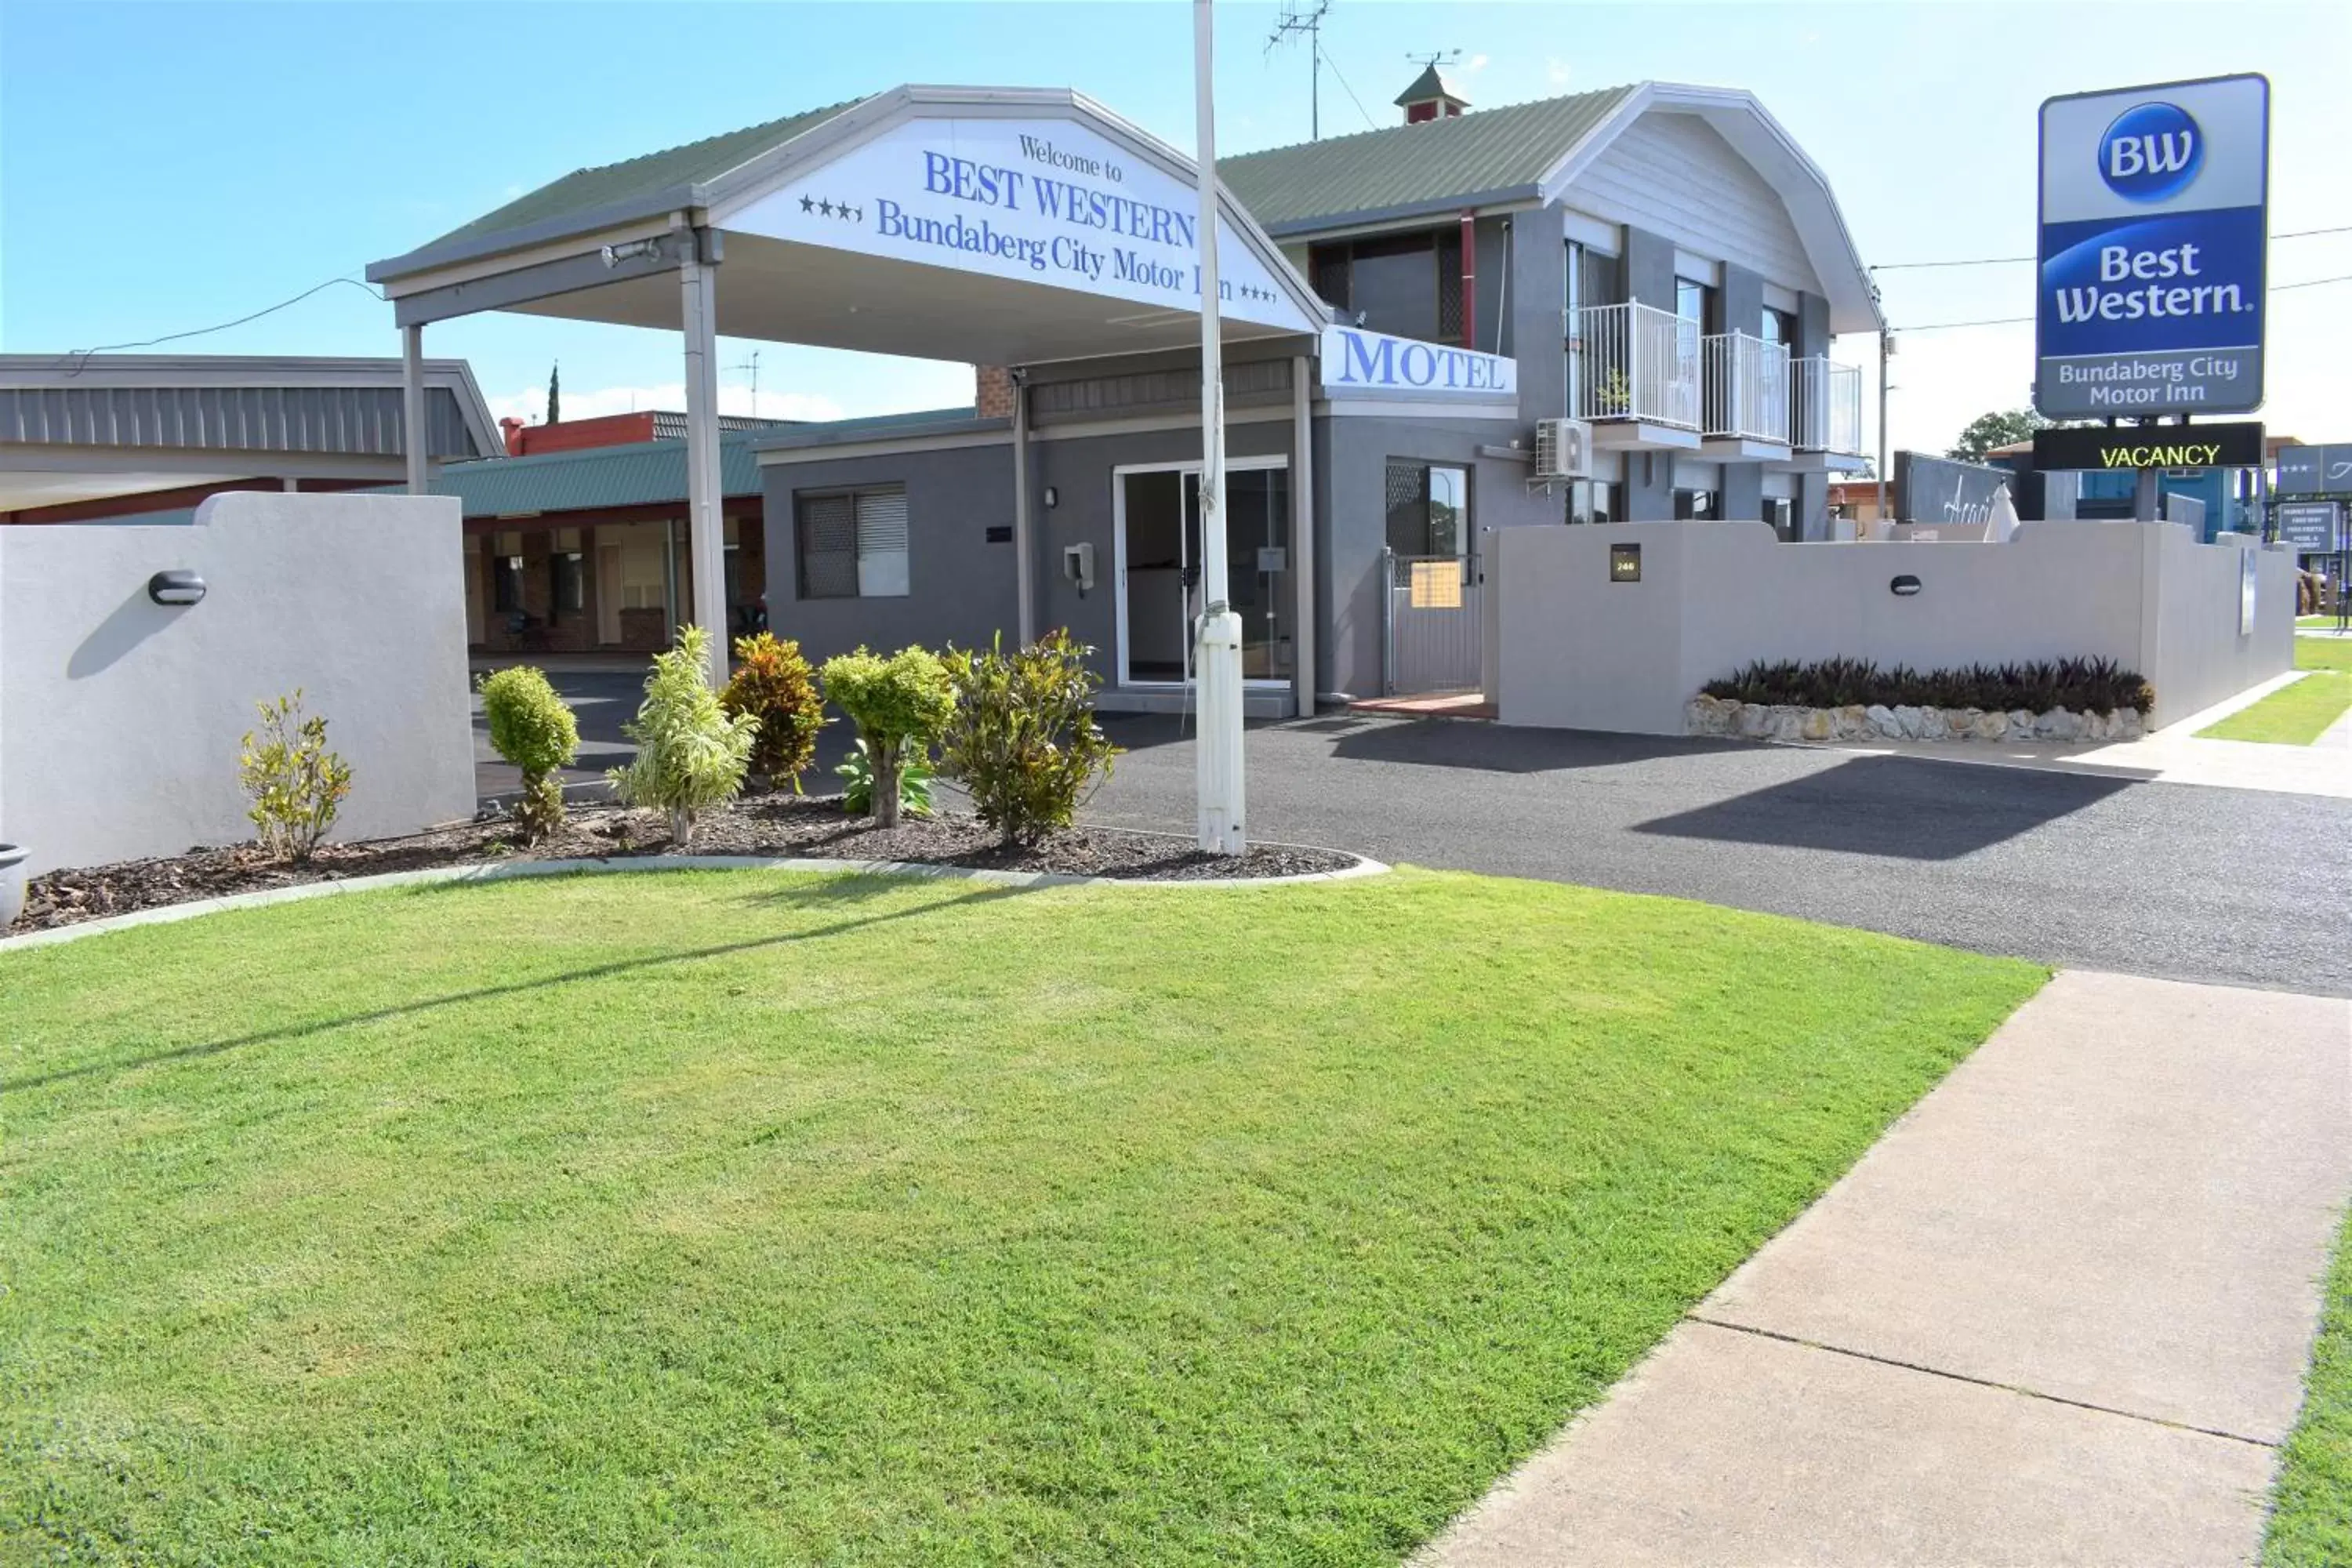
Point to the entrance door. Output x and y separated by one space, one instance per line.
1158 523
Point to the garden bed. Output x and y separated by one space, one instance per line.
769 826
1707 715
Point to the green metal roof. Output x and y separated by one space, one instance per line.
643 473
641 179
1407 168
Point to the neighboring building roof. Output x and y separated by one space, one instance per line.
881 426
236 403
646 473
1495 154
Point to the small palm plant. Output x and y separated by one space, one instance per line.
691 753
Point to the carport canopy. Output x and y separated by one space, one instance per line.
997 226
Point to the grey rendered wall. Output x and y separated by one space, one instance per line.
961 587
1352 481
1539 273
1812 489
2194 656
120 719
1574 650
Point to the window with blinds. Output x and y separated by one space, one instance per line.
853 543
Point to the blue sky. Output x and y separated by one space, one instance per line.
167 167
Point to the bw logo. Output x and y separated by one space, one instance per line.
2151 153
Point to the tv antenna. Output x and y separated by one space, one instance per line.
1303 16
752 365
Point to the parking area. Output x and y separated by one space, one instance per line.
2097 870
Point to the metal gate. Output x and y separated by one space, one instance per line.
1432 636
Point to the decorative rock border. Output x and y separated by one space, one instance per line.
507 870
1781 721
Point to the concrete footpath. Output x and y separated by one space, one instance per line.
2059 1313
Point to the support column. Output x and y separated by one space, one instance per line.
1024 536
416 446
697 283
1302 531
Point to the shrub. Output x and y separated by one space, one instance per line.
1023 737
2078 685
772 683
295 784
691 753
900 705
533 728
856 775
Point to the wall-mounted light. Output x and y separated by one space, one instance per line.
1053 497
614 255
175 588
1903 587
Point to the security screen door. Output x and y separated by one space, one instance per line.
1160 554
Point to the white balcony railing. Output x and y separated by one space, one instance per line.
1634 361
1827 405
1746 382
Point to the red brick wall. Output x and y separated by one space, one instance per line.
991 392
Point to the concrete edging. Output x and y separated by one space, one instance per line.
500 871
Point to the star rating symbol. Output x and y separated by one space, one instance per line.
808 203
826 206
824 209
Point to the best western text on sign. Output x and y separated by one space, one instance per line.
2154 228
1042 200
1359 363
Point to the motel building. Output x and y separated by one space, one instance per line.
1403 311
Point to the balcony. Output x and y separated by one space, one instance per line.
1827 406
1634 371
1747 397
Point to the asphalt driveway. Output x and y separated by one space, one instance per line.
2174 880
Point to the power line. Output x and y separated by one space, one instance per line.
2014 320
81 356
2012 260
1351 91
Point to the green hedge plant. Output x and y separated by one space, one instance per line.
899 704
773 684
296 784
2078 685
691 753
534 729
1023 738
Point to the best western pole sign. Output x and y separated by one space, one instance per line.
2154 234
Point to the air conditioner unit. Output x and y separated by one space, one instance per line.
1563 449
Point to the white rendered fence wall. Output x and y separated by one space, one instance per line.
120 718
1573 649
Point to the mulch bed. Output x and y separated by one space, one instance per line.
776 826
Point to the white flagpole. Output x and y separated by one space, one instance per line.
1219 633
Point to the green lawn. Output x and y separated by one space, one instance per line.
2324 653
2311 1521
2296 714
744 1218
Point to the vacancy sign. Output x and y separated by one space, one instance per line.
2154 228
